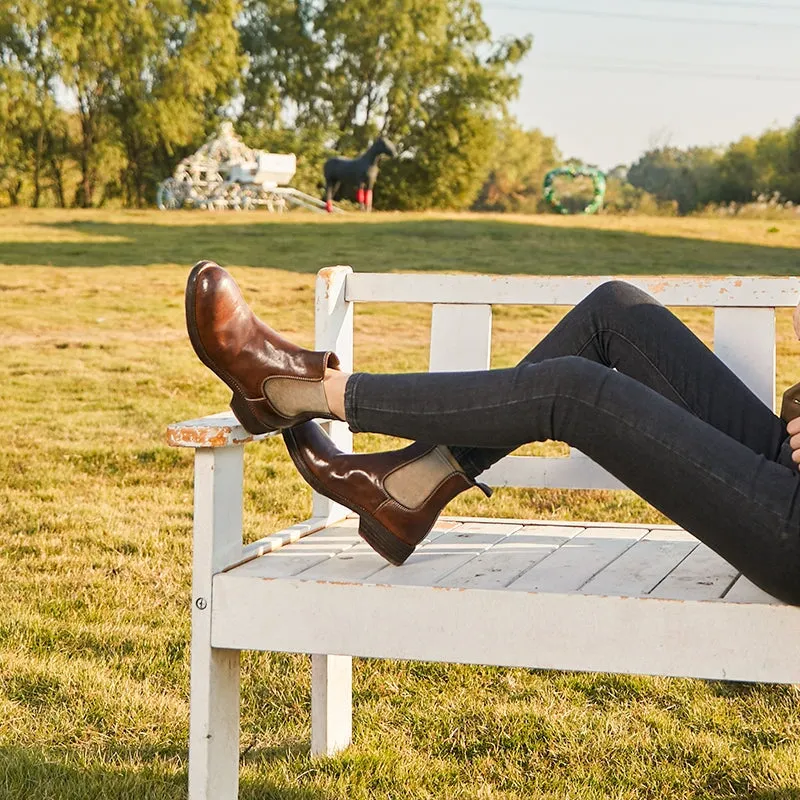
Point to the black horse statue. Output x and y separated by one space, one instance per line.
359 173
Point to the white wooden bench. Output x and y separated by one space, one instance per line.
596 597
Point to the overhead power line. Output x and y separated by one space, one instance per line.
603 59
654 69
645 17
731 4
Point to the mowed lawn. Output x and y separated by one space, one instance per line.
95 523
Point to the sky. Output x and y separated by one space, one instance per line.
613 78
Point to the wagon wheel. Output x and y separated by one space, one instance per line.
171 194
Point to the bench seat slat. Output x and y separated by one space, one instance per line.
578 560
358 563
702 575
440 557
292 559
361 562
638 570
500 565
745 591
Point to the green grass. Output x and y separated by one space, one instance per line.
95 519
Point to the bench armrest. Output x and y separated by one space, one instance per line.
216 430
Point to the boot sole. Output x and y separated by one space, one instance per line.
376 535
239 405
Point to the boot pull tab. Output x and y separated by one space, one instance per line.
483 487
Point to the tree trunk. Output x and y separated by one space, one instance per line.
37 166
56 152
13 191
86 152
58 181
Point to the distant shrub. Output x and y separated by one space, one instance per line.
762 206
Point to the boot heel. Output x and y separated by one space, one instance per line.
245 416
383 541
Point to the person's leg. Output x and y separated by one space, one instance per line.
736 500
622 327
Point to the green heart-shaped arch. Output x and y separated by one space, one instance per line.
598 180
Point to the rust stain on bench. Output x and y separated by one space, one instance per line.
204 436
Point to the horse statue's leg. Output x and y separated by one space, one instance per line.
368 195
330 190
361 196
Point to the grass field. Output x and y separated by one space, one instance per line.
95 521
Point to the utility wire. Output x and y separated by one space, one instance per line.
731 4
646 17
776 71
655 70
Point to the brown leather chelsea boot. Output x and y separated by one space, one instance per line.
275 383
398 495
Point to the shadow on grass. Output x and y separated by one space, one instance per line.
483 246
774 794
35 774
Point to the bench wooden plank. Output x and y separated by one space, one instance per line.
752 292
293 559
501 564
360 562
215 430
702 575
357 563
744 338
461 338
632 635
445 554
745 591
638 570
550 472
578 560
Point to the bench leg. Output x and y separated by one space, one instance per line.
331 704
214 703
214 723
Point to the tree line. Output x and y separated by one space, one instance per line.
766 167
100 100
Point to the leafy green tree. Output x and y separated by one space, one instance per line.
790 186
622 197
739 172
149 78
27 52
180 67
424 73
772 158
688 177
13 129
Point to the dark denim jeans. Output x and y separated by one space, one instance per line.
624 381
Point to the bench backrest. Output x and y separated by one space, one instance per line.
461 326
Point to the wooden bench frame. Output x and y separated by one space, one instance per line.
754 638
